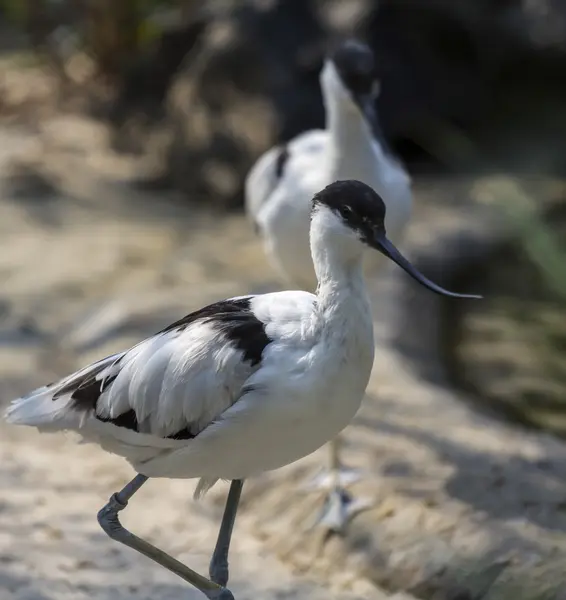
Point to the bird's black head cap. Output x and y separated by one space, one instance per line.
362 210
359 206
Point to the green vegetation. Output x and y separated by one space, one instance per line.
511 347
109 31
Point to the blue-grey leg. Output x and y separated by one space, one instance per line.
218 569
339 507
109 521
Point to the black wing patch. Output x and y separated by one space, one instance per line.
86 389
233 318
236 321
281 161
129 420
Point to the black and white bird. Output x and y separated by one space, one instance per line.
281 184
239 387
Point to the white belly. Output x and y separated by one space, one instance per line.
292 437
266 438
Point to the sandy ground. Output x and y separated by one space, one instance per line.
463 506
51 546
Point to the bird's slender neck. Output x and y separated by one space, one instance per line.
344 120
347 126
342 318
341 292
335 273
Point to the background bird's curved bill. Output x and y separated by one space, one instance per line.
367 105
382 244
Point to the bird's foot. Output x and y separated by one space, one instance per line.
338 509
222 594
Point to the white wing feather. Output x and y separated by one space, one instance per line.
172 381
262 180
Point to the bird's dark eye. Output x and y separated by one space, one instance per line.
346 211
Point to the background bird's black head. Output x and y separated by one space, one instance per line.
355 64
359 206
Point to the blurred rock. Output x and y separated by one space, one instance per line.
491 71
148 78
253 81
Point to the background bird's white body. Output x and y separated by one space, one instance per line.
347 149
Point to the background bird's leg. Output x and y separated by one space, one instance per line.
335 466
339 505
335 511
218 569
336 476
108 519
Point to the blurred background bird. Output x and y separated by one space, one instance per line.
281 184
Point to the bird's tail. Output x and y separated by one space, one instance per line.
55 406
41 409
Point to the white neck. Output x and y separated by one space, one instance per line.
344 119
333 269
343 302
348 128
